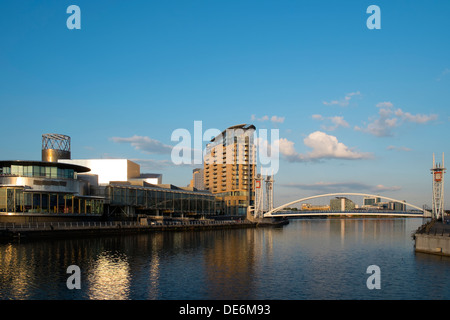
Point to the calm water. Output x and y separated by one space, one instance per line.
308 259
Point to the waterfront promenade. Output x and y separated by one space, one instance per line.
86 228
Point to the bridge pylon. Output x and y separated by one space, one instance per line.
259 196
263 196
269 182
438 171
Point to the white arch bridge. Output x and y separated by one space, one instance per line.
276 212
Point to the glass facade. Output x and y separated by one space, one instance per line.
160 201
43 171
18 200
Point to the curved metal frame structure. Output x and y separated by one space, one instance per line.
55 146
270 213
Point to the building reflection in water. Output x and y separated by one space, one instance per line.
109 277
229 265
14 274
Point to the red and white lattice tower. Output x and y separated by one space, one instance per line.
438 171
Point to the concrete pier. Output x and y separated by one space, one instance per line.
434 238
267 222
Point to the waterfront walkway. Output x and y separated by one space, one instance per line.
436 228
55 229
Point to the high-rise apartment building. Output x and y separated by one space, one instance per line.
230 167
197 179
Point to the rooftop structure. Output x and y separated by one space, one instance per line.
55 146
108 170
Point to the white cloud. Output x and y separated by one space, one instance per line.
337 121
145 144
389 119
323 146
342 102
327 146
277 119
286 148
264 118
386 104
317 117
274 119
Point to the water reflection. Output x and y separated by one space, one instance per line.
13 280
109 277
308 259
229 265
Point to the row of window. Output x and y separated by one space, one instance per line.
164 200
19 201
38 171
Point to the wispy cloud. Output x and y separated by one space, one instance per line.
145 144
336 121
263 118
395 148
277 119
317 117
323 146
150 165
443 74
274 119
342 102
388 118
341 187
417 118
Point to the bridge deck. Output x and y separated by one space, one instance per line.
346 213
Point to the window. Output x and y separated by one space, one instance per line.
3 200
47 171
68 208
36 202
53 172
17 170
36 171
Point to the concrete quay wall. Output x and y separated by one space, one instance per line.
435 244
433 237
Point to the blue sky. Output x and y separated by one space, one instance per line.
138 70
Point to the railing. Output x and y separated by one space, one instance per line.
111 224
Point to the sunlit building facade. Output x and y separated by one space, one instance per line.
37 189
230 167
60 188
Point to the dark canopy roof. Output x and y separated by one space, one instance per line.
76 168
